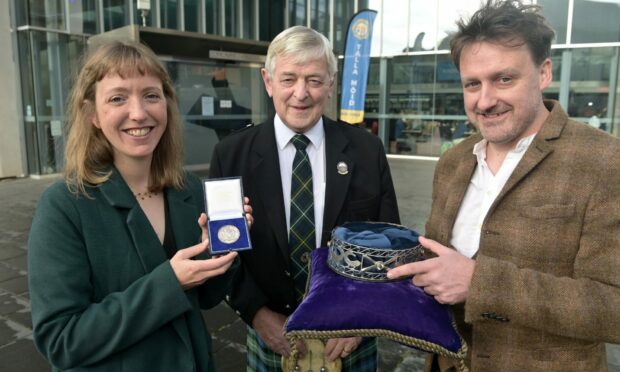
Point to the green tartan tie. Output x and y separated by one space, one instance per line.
301 235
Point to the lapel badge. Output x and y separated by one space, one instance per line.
343 168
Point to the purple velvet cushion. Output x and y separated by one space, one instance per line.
396 310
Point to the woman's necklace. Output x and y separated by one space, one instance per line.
145 195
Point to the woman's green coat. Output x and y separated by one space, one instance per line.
104 296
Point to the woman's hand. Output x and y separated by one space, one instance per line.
191 273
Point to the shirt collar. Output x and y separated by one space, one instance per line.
284 133
480 148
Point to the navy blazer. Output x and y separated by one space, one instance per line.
365 193
104 296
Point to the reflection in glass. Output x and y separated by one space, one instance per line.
592 69
425 110
422 28
448 13
216 99
394 31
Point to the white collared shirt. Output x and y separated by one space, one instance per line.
483 189
316 154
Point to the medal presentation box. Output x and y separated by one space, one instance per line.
227 226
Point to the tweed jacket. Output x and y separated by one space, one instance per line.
104 296
545 293
365 193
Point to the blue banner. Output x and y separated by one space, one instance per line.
356 64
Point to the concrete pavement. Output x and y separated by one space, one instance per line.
413 182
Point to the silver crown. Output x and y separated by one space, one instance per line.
367 263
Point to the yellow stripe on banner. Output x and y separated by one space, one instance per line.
352 116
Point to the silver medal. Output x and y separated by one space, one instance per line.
228 234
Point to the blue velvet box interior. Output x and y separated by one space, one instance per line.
224 202
396 310
218 247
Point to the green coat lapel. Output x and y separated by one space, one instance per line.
144 238
184 214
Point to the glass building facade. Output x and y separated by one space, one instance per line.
413 102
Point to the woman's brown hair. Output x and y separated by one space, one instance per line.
88 154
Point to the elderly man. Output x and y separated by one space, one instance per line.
305 174
525 219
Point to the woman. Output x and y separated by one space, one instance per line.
117 269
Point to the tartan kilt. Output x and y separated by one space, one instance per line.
261 359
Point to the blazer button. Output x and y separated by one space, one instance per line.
227 298
287 306
287 273
238 312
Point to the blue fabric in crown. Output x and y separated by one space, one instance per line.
377 235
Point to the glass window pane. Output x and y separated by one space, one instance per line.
21 13
343 11
214 100
28 101
595 21
212 16
168 11
249 26
45 95
320 16
297 9
83 17
422 29
591 70
556 12
115 14
553 90
191 13
232 18
271 18
394 18
47 13
426 114
613 111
